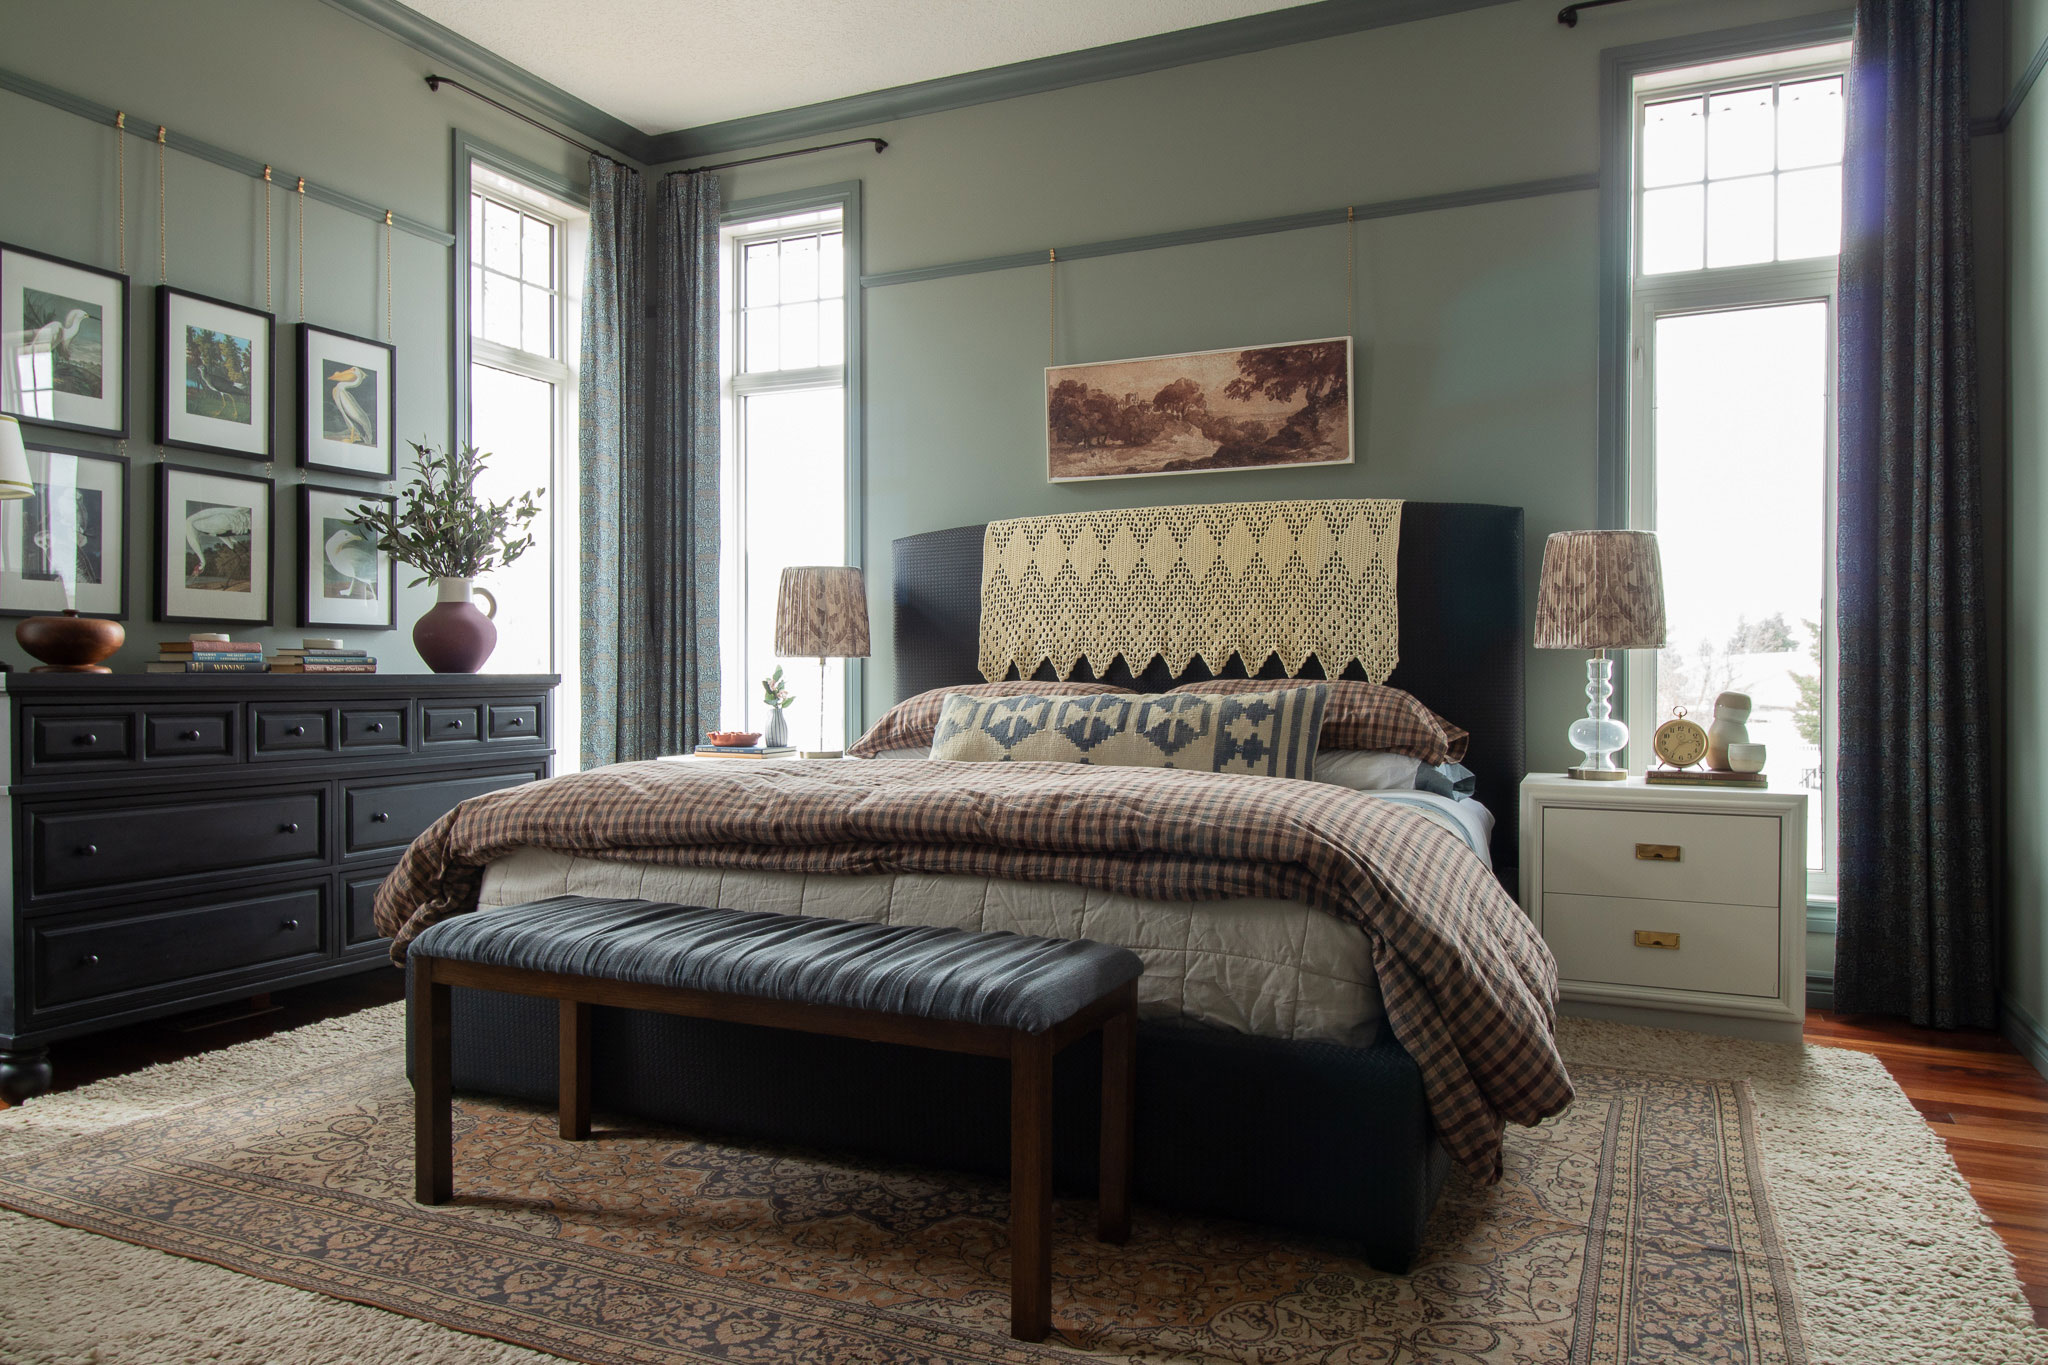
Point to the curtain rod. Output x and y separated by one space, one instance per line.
1569 15
435 83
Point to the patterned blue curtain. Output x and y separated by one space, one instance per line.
681 517
1917 924
610 420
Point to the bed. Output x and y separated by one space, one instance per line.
1307 1116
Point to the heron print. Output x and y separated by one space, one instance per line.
349 406
217 546
217 375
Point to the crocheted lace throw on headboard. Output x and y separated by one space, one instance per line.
1205 582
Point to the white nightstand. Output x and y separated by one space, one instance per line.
1681 907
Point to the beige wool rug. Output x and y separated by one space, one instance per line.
1705 1200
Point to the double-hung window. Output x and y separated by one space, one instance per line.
785 485
526 249
1736 218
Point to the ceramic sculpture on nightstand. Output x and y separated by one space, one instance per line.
1731 726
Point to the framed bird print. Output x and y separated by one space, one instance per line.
63 343
65 546
215 377
345 576
347 399
213 545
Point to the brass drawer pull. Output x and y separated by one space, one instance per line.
1656 938
1656 853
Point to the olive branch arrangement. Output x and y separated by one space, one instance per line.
442 528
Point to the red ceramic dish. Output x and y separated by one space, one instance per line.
734 739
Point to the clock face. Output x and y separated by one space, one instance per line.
1680 743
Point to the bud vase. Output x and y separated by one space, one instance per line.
454 637
777 733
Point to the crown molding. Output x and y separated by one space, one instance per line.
450 48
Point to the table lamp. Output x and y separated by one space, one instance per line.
821 612
1600 590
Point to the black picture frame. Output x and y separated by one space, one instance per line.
113 532
169 598
317 452
180 426
309 616
115 384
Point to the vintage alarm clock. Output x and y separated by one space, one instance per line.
1680 743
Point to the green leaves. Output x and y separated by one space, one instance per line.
774 691
442 528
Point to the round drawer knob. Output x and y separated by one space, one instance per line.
455 725
89 960
289 827
190 734
290 925
296 731
376 727
86 739
87 850
518 721
379 817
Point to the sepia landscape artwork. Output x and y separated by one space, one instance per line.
1258 407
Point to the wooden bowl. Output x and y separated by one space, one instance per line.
70 643
734 739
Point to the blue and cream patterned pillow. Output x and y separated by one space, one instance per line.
1271 734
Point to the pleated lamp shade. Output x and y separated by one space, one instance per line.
821 612
1601 590
14 476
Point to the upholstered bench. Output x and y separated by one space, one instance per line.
999 995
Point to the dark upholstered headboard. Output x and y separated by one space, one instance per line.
1462 637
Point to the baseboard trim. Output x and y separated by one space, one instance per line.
2025 1032
1820 990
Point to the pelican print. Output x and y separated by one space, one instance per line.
359 430
354 557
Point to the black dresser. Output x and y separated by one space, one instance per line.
176 841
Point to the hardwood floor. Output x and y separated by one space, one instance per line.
1991 1108
1988 1104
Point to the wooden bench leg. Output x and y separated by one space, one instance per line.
1030 1187
433 1138
1119 1104
573 1071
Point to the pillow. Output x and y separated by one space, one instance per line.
1362 715
1270 734
909 723
1376 770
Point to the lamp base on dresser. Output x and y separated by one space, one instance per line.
24 1073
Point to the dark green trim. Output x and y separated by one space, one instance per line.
846 196
1619 66
447 46
144 127
2024 1032
1254 227
1230 38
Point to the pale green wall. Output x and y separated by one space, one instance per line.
291 82
2027 620
1476 326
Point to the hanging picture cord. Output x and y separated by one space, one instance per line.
302 248
121 187
1052 299
387 274
266 240
163 254
1350 271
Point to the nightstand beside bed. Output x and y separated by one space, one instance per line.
1673 906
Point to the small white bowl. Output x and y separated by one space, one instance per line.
1746 758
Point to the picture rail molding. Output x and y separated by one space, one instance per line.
144 127
1251 227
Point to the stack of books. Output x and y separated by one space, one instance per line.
1703 777
322 656
745 751
208 653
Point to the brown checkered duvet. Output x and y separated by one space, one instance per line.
1469 987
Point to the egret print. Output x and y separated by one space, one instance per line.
348 406
68 332
217 546
348 560
217 367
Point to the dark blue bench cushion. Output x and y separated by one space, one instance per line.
1001 979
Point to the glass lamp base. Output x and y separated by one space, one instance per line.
1598 735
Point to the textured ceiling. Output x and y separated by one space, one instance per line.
667 64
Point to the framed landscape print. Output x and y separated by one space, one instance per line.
345 576
347 398
213 546
63 342
1257 407
65 545
214 375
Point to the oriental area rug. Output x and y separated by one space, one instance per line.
1635 1227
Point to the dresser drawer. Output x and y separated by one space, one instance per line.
74 961
194 734
439 723
290 730
67 739
1661 855
1727 949
392 815
517 721
359 904
114 843
375 727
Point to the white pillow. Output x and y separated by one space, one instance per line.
1376 770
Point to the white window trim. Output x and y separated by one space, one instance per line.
1715 289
